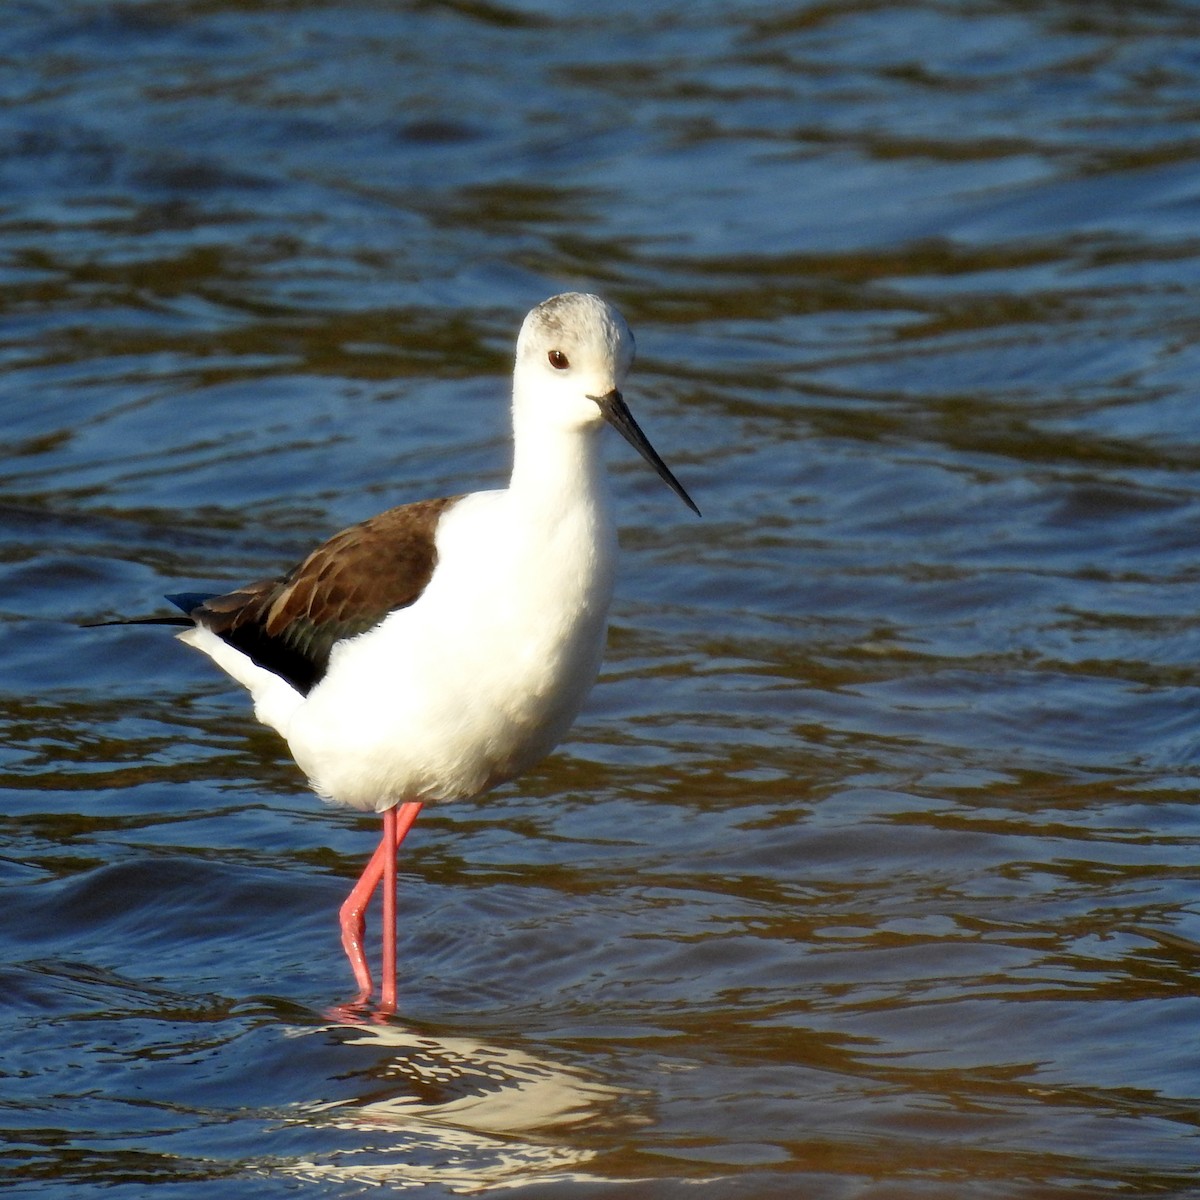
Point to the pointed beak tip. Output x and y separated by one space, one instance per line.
617 414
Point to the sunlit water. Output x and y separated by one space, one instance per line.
872 868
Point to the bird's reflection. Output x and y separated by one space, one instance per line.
459 1112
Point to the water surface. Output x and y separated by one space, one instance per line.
872 867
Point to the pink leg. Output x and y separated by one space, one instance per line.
396 824
387 985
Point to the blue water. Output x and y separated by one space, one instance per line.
872 869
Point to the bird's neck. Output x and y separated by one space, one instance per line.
557 470
561 532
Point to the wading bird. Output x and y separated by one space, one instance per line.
443 647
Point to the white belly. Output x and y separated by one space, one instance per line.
478 679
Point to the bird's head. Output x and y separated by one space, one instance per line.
573 354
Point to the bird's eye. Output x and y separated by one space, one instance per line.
558 360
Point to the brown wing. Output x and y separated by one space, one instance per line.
343 588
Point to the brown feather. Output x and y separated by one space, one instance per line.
343 588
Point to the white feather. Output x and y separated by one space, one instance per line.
484 673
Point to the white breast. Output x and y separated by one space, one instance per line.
479 678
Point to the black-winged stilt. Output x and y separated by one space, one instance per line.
441 648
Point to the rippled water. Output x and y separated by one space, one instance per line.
872 868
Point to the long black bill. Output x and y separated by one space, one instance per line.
616 413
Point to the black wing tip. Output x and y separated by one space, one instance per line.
188 602
137 621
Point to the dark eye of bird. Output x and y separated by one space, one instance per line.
558 360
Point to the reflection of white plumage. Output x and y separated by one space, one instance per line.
465 1115
441 648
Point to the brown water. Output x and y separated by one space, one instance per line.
873 868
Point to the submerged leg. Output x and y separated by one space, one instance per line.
396 823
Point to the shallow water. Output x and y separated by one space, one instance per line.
872 868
